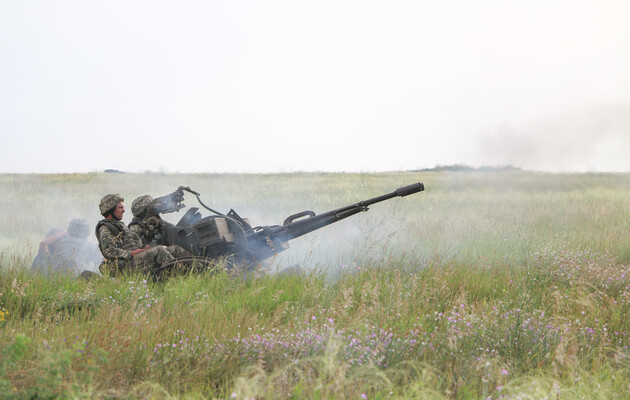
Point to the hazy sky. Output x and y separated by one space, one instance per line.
279 86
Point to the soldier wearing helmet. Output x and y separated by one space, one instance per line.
144 226
122 249
78 228
76 254
139 206
69 252
147 225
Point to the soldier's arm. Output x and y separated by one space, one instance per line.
135 229
138 251
108 246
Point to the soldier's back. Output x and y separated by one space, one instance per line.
74 255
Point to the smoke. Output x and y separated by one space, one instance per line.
329 247
577 140
37 203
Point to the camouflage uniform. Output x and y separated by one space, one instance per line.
147 227
142 225
71 254
116 242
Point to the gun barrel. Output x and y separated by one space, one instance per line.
294 227
400 192
410 189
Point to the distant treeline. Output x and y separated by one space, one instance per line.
464 167
452 167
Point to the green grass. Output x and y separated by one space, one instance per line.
501 285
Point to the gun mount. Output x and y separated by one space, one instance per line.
222 235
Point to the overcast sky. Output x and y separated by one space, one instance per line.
281 86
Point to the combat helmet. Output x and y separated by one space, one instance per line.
109 202
140 204
78 227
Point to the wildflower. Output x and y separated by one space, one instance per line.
505 372
364 396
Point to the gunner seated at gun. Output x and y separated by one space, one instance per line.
147 225
124 250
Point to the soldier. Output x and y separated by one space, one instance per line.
146 226
123 250
141 225
43 259
75 254
69 252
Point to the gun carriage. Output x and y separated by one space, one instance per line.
229 235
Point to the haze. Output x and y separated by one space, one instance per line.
281 86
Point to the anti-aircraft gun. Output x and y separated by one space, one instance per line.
229 235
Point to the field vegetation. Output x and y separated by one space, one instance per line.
489 285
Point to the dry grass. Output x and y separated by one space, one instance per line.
504 285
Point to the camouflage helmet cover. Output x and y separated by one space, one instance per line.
78 227
140 204
109 202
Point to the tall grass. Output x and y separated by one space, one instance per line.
508 285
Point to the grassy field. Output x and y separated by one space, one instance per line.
490 284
